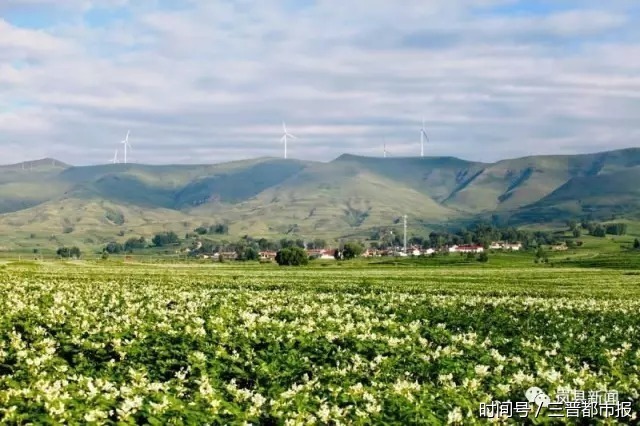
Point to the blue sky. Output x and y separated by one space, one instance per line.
204 81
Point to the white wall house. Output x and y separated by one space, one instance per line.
470 249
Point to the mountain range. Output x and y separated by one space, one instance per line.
351 195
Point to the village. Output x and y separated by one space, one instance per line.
413 250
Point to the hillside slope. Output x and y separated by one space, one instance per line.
597 196
509 185
30 183
349 195
333 198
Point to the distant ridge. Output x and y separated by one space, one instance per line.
37 163
633 152
349 195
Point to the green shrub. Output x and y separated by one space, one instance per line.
292 256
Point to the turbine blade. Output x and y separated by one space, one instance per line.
291 136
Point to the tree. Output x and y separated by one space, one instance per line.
483 257
286 243
317 243
247 252
577 233
352 249
292 256
616 228
598 231
165 239
201 230
572 224
267 245
219 228
467 237
135 243
418 241
250 253
541 255
636 244
68 253
113 248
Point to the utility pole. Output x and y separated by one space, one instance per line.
405 232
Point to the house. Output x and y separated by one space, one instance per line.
414 251
372 253
226 255
328 255
321 254
501 245
428 251
513 246
452 249
559 247
267 255
470 249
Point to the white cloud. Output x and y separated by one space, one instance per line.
219 77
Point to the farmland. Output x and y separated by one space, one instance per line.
226 344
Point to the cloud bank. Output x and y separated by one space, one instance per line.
200 81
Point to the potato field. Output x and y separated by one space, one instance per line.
87 343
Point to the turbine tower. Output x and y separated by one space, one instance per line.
384 150
423 137
284 138
114 160
126 144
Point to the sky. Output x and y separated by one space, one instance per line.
207 81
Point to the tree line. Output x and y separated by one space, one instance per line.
596 229
482 234
204 240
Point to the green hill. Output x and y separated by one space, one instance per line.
30 183
332 199
350 195
598 196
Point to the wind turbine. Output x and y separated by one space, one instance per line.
423 137
126 144
284 138
384 150
115 157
